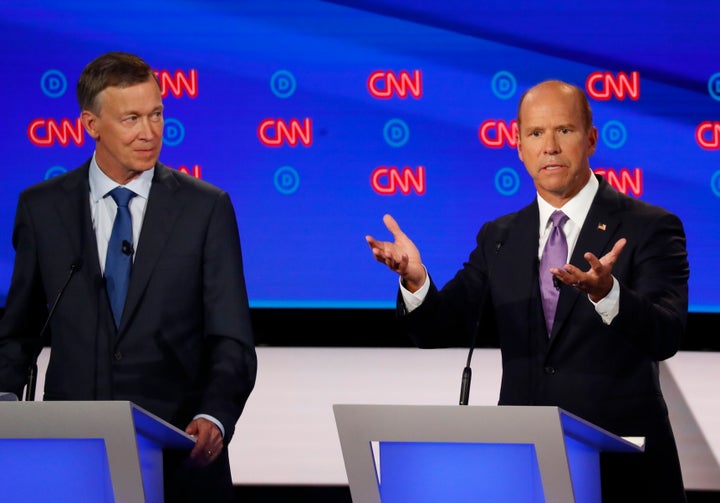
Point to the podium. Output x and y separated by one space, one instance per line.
427 453
99 451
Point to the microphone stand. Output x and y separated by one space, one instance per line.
31 381
467 371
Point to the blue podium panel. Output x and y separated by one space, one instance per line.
424 472
99 452
57 470
584 465
430 453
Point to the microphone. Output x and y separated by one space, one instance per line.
32 368
467 371
127 247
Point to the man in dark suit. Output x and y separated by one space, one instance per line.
182 346
617 316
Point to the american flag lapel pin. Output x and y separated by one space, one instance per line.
602 226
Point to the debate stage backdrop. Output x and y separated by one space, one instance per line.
320 116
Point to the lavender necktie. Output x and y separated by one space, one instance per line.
554 255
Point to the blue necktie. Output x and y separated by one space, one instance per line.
554 255
119 253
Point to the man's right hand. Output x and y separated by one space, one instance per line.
401 255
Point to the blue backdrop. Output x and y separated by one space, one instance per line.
318 117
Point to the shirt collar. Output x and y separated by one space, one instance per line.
576 208
101 184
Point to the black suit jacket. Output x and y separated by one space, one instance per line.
607 374
185 343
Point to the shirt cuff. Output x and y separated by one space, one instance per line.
413 300
609 306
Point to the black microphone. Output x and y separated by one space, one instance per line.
32 368
127 247
467 371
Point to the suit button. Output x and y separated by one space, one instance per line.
118 355
550 370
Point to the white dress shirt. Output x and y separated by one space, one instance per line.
576 209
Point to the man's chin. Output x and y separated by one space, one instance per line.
145 165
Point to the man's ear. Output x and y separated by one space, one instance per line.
89 121
593 139
518 147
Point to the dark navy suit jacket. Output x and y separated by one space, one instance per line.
185 343
606 374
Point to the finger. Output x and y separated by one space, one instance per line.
565 272
212 453
619 246
613 254
595 263
375 245
397 264
392 226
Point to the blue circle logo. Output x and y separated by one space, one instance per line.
507 181
286 180
714 86
396 132
504 85
715 183
614 134
174 132
54 171
53 83
282 84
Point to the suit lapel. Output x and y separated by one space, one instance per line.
514 267
521 247
74 212
161 212
600 227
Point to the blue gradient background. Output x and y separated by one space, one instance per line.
307 248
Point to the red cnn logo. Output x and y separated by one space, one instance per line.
195 170
602 86
498 133
178 83
275 132
385 84
391 180
46 132
627 181
707 135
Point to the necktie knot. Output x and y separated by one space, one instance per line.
121 196
558 218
